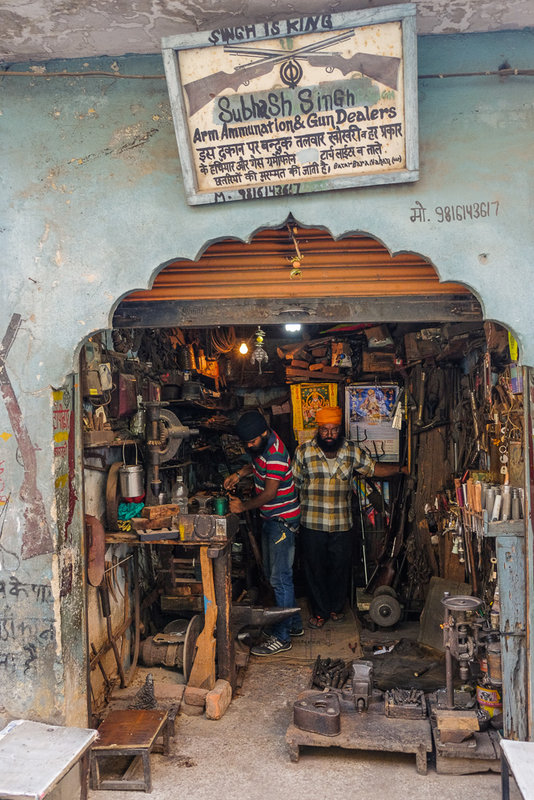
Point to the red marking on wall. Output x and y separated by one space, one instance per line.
36 537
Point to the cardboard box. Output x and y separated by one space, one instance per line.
378 336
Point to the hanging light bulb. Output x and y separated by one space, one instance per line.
243 348
259 354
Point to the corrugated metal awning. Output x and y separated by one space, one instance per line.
356 266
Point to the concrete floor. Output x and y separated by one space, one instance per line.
243 756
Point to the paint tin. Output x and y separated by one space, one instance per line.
489 699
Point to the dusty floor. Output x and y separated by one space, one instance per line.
244 755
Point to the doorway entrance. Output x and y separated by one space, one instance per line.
421 379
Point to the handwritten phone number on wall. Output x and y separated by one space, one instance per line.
457 212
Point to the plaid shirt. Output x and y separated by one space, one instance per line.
325 497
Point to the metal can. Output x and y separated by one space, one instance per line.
221 505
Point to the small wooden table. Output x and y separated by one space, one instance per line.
34 757
129 733
517 758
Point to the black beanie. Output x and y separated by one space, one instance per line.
250 425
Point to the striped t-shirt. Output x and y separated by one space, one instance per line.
275 464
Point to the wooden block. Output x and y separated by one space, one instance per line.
330 370
218 699
297 363
319 351
195 696
157 512
455 726
455 736
316 367
448 719
378 362
292 372
144 524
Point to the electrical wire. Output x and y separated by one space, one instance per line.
503 73
222 341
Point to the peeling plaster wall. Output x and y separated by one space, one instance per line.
50 29
92 206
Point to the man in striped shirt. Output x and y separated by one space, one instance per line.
323 470
277 500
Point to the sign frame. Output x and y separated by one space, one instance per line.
250 34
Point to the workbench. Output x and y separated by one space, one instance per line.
517 758
35 757
370 730
220 555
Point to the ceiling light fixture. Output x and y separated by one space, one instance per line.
292 327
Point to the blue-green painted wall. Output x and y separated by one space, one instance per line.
92 206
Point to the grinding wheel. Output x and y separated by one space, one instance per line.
384 610
113 496
190 643
385 589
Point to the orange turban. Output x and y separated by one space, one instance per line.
328 415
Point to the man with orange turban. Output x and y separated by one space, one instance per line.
323 470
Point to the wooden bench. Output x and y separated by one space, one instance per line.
131 733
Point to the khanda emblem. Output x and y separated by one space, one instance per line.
290 73
384 69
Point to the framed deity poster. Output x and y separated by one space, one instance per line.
306 399
313 103
369 411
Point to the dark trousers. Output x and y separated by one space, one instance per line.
327 561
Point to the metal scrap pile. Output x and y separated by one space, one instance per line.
330 674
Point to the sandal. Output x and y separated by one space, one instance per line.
337 617
316 622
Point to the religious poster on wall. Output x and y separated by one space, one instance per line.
369 414
306 399
294 106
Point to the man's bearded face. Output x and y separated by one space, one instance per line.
330 438
257 445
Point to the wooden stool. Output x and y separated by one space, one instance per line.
129 733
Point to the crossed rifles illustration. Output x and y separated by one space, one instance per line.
384 69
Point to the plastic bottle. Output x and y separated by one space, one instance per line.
180 495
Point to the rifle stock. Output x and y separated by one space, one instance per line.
203 90
384 69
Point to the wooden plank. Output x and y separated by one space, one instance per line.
157 512
247 311
203 670
35 756
447 720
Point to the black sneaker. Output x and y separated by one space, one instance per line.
271 647
296 632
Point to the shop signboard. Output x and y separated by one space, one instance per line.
300 105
